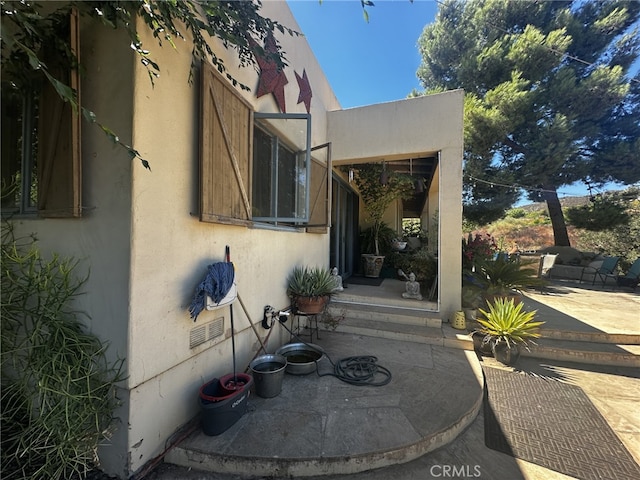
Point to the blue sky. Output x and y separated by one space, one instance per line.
366 62
377 61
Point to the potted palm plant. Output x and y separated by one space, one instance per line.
506 327
310 288
379 187
504 278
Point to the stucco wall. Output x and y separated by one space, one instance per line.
171 248
101 238
412 128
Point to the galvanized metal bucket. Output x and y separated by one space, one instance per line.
268 373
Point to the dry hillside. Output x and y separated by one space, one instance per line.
530 229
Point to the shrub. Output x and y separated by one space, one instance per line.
603 213
386 235
421 262
412 227
58 390
516 213
477 249
623 240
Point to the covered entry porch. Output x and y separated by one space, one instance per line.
421 137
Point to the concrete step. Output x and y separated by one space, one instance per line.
593 353
380 298
594 336
444 336
409 315
563 347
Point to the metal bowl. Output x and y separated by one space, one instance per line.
301 357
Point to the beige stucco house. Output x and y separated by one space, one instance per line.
147 236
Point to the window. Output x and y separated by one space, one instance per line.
281 168
19 150
256 167
41 139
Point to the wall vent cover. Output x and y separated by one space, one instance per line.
206 332
216 328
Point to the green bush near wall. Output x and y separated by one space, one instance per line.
58 389
421 262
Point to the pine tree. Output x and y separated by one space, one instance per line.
549 96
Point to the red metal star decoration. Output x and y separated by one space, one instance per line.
272 79
305 90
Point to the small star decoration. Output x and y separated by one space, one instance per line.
305 90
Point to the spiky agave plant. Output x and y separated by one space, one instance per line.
310 282
506 321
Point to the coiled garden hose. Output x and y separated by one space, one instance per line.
360 370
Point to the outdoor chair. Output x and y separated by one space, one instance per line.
631 278
601 273
547 261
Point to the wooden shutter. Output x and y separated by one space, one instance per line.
58 165
226 132
319 191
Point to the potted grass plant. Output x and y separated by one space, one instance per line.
310 288
506 326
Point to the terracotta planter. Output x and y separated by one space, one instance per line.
372 265
311 304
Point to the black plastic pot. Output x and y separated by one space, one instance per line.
223 402
507 354
482 344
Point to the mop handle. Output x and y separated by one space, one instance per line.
227 252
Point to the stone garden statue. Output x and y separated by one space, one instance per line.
337 279
412 288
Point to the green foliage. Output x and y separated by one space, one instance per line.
28 26
516 213
549 99
623 240
58 389
471 296
386 235
483 201
412 227
378 195
421 262
310 282
603 213
507 322
520 222
533 231
503 275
